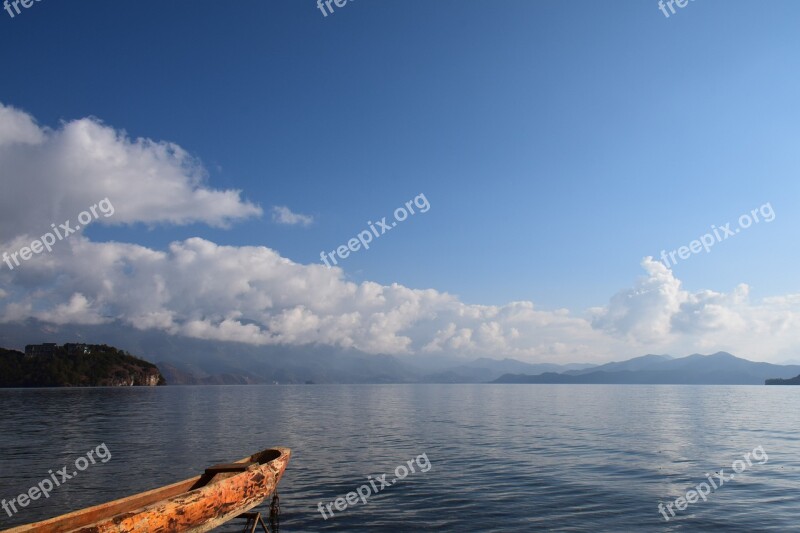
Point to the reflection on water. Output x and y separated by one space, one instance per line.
507 457
275 514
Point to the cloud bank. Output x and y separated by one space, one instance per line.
250 294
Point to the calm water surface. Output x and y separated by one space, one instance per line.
503 457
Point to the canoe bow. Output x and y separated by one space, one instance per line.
194 505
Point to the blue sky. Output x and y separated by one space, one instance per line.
558 142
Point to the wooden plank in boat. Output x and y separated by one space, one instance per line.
231 467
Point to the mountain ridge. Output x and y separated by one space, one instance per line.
720 368
190 361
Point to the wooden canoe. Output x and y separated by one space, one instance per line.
197 504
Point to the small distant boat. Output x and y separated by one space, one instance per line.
197 504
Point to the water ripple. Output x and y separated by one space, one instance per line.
504 458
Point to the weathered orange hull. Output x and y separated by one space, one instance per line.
197 504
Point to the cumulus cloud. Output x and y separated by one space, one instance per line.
83 161
78 310
17 127
283 215
644 313
252 294
659 315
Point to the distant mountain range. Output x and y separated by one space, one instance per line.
720 368
187 361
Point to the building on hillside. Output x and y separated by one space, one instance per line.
73 349
51 348
48 348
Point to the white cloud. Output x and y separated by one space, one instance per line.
17 127
660 316
51 175
283 215
644 313
253 295
78 310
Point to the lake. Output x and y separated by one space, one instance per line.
498 457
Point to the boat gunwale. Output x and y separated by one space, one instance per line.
82 518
